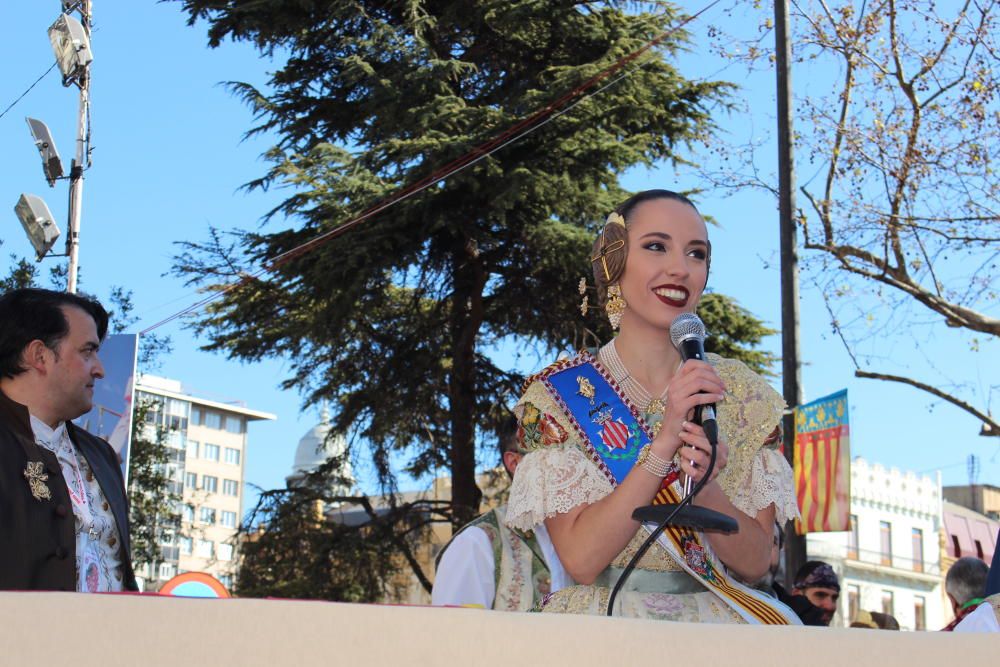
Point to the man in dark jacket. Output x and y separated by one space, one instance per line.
63 513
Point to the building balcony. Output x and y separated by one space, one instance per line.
877 562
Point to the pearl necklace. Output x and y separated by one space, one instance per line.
652 408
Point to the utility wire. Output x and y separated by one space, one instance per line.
11 106
519 130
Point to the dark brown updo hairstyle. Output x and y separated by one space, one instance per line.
612 233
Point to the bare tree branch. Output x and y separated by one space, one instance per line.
988 420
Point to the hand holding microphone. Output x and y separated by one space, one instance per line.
688 335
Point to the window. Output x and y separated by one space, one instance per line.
205 548
192 449
919 615
176 440
190 480
166 570
186 545
226 580
230 487
956 547
885 534
917 537
196 413
979 550
211 452
853 601
187 513
887 605
234 424
228 519
213 419
210 483
207 515
232 456
225 552
852 539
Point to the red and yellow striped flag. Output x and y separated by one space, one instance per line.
823 464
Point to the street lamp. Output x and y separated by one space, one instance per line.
71 46
38 223
51 164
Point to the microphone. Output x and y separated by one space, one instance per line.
688 335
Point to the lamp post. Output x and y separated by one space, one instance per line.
71 44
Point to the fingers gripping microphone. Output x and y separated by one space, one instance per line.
688 335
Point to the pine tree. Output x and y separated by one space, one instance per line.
395 321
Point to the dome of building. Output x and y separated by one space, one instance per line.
316 447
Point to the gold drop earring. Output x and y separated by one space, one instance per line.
615 306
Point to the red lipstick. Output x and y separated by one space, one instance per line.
672 295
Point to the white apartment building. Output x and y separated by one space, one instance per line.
890 560
207 447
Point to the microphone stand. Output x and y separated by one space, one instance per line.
682 514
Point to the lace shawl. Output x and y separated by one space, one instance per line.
556 476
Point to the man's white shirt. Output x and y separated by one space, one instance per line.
466 573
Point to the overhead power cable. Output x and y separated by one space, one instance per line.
21 96
484 150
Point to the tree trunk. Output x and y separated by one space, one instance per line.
468 279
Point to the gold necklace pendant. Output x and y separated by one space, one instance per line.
655 407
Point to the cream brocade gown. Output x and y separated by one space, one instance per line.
554 477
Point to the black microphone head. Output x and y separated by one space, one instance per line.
685 327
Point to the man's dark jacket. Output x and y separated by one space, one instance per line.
38 537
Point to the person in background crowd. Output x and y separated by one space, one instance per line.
488 565
985 618
63 513
875 620
965 585
815 593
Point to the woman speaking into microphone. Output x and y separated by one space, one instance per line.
603 434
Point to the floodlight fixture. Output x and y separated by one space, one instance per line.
38 223
51 164
71 47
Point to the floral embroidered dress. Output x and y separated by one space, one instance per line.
559 472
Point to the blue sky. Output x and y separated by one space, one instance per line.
169 160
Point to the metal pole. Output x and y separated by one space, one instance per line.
79 161
795 545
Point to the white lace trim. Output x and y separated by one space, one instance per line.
770 481
552 480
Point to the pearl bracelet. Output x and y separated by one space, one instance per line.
652 463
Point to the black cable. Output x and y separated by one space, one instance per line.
659 530
11 106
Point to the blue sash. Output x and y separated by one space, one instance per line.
612 428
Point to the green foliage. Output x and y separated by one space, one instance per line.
308 542
152 506
390 321
22 273
734 332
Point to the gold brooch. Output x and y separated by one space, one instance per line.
35 473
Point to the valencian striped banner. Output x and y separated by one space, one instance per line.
823 464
